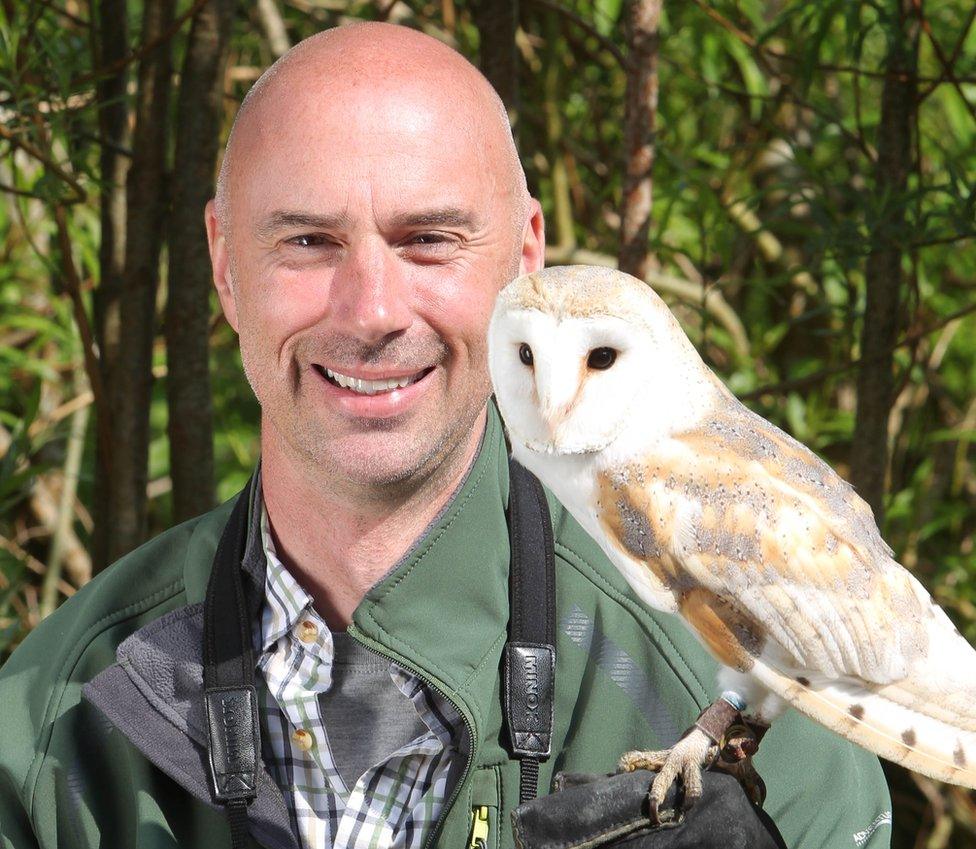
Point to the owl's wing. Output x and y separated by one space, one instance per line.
779 568
759 538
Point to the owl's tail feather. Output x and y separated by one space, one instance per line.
896 722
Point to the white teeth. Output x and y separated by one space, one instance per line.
371 387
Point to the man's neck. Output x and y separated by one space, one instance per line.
337 546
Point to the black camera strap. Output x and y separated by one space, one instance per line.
228 677
528 683
530 654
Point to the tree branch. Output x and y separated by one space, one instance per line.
32 563
606 43
640 126
143 50
88 345
818 376
883 311
274 27
947 70
46 161
960 41
63 536
753 44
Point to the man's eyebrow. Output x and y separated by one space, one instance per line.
450 216
286 219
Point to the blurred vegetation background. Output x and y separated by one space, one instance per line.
812 165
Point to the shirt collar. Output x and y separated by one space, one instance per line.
286 605
285 602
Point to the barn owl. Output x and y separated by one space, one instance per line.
712 513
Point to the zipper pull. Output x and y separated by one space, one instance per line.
479 827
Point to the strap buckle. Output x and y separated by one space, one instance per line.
529 685
232 720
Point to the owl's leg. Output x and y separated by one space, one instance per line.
699 747
742 739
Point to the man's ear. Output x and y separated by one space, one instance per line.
220 261
533 240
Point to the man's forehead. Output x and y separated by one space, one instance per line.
390 148
359 161
326 111
405 120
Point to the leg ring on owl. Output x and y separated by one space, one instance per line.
700 747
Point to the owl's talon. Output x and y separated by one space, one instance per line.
686 758
720 737
745 773
691 777
633 761
740 742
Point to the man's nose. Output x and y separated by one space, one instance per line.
369 294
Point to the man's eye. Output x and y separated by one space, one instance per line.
429 239
429 247
308 240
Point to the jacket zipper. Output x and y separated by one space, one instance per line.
361 638
479 827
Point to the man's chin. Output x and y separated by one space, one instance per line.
382 457
397 453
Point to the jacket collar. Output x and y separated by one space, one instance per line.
154 696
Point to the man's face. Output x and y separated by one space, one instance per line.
368 240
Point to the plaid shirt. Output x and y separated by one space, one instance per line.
395 803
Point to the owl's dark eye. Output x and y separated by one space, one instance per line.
525 354
601 358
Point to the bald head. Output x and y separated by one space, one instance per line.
373 64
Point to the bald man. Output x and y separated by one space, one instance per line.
369 208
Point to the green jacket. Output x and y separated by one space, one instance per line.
73 775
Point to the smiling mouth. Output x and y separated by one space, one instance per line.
370 387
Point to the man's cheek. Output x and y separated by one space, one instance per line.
292 298
263 352
464 317
270 328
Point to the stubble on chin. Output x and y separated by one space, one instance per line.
395 458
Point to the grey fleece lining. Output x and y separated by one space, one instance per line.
154 695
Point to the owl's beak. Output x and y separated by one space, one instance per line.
557 390
553 419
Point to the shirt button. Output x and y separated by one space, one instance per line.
303 739
308 631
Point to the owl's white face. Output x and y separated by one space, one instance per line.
565 385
